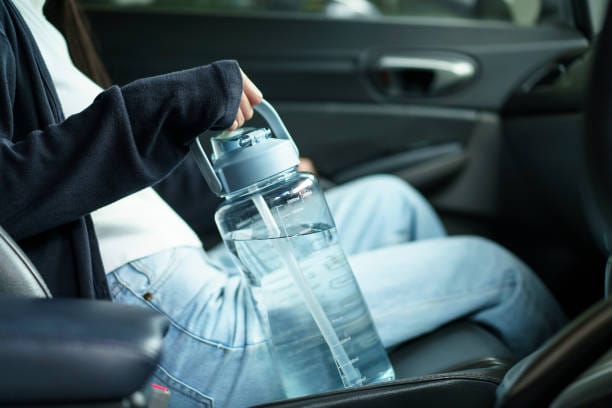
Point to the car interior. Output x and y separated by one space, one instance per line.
499 116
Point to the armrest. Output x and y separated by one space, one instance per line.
474 388
71 350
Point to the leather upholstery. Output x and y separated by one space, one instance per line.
591 389
75 351
18 277
466 389
68 350
464 346
538 379
458 346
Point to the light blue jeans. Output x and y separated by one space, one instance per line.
413 277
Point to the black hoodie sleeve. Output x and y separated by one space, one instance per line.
129 138
188 194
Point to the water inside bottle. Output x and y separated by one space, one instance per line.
305 363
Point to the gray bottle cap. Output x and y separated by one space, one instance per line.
247 156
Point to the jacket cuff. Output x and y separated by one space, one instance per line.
229 75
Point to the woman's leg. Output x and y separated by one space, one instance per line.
415 283
414 288
378 211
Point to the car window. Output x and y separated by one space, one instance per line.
597 11
520 12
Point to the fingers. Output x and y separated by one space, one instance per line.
245 112
251 96
245 107
307 165
239 118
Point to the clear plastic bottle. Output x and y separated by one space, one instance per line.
282 235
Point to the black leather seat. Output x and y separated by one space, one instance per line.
69 351
459 346
18 277
553 375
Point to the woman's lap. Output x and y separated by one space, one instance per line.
215 349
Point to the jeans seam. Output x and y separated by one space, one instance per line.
545 311
181 328
185 389
116 288
494 288
148 272
170 272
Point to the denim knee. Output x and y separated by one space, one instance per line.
384 186
403 207
509 267
526 302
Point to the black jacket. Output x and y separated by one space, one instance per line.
54 172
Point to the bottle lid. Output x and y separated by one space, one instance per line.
247 156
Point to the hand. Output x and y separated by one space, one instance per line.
307 165
251 96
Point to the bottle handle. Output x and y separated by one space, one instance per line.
205 167
276 125
273 119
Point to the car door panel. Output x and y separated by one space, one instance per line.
322 59
376 133
324 74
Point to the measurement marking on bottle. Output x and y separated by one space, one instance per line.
350 363
345 340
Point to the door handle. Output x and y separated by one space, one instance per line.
423 75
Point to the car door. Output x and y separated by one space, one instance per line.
438 92
410 87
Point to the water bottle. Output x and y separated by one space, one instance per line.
277 225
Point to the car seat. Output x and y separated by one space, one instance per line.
70 352
83 352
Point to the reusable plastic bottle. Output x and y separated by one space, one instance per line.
276 223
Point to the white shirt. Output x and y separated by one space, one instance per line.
138 225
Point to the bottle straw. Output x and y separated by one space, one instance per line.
349 374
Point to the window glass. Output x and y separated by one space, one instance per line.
521 12
597 11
